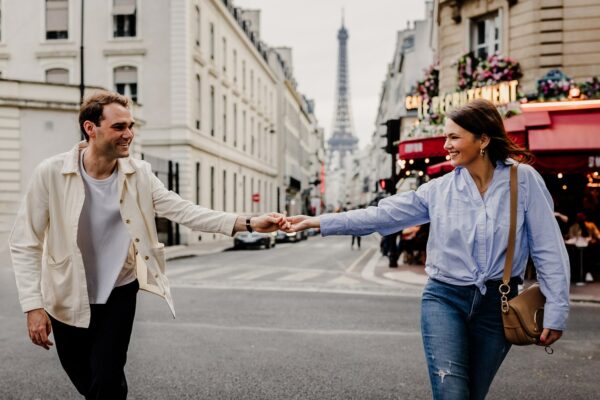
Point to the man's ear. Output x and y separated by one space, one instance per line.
90 129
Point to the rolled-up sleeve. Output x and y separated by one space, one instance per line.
392 214
547 249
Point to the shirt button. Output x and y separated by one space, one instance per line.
146 257
137 239
127 221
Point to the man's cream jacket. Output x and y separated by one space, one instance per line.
47 262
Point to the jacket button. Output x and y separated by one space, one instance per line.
156 275
121 201
127 221
137 239
136 252
146 257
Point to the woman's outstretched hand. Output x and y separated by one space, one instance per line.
302 222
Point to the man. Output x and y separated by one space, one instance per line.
85 240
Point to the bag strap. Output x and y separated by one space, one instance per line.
512 231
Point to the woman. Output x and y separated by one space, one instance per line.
469 212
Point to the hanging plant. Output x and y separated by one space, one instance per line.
496 69
429 87
476 72
554 85
590 88
465 67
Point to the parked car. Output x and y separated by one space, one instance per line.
289 236
254 239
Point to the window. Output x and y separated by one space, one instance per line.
126 82
57 19
244 132
224 190
244 76
260 140
124 18
486 35
212 188
212 41
252 192
212 110
224 118
408 43
235 125
244 194
251 85
235 207
0 26
224 55
252 135
198 101
258 89
198 26
234 66
197 183
57 75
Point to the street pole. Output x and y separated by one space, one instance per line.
81 81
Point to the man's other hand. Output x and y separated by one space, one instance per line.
39 327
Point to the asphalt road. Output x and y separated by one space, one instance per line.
326 335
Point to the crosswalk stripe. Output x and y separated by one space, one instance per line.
248 276
344 280
301 276
214 272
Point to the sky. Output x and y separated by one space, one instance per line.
310 28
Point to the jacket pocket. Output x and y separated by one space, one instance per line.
60 264
159 254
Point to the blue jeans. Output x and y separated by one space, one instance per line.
463 338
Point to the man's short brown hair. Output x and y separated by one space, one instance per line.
92 107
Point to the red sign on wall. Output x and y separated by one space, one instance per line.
256 197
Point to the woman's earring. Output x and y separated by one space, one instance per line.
481 152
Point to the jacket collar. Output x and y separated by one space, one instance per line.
71 163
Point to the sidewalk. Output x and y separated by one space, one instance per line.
415 274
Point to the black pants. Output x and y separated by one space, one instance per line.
94 358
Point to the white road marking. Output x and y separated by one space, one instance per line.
301 276
257 273
344 280
215 272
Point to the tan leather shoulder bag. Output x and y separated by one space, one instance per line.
522 316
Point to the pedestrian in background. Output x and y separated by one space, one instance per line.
468 210
85 241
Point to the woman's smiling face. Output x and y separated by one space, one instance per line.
462 146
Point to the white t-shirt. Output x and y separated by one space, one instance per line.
102 237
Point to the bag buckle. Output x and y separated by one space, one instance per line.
504 289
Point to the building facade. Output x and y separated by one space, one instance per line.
198 67
33 113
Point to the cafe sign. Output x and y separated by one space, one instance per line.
499 94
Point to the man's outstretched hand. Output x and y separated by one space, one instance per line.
301 222
39 327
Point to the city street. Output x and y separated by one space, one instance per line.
304 320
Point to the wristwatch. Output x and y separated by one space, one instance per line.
248 226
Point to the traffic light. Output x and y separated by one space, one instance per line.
386 185
392 135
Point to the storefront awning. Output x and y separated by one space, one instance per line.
568 131
423 148
440 168
567 163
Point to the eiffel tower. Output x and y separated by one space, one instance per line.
342 140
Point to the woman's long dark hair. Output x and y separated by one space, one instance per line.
481 117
